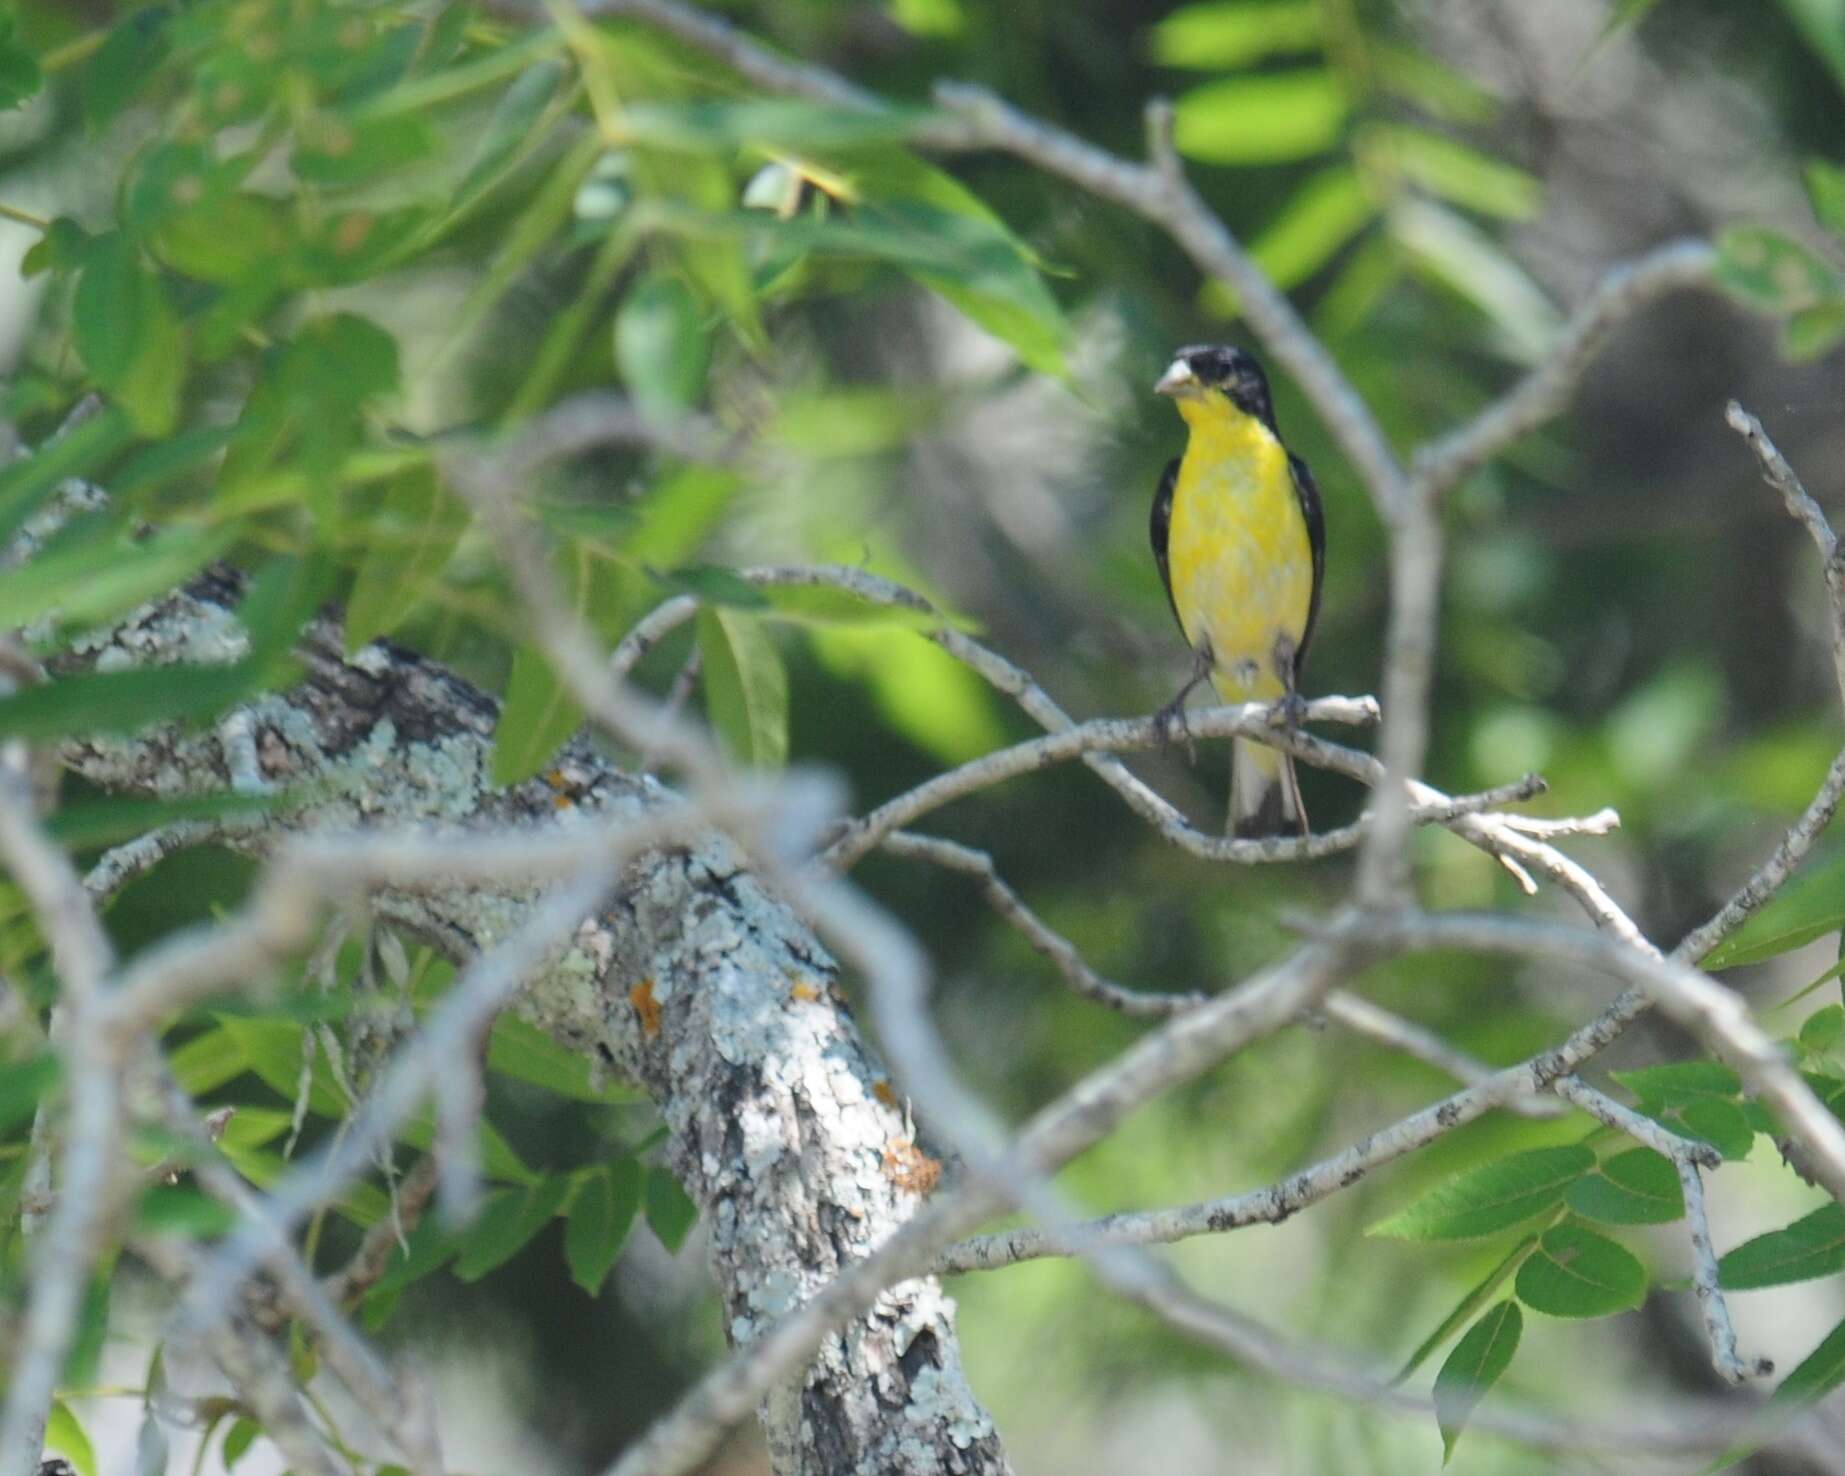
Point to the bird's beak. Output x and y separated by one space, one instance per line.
1178 381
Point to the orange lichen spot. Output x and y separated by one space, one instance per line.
805 991
562 802
908 1167
556 778
646 1007
884 1091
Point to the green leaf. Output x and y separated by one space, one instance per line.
1772 272
521 1050
109 821
20 77
1679 1082
600 1218
62 248
1468 1305
208 1060
25 483
1578 1272
1826 191
1822 24
1270 118
408 544
101 567
713 584
1821 1029
1225 34
1724 1125
746 686
127 60
661 346
238 1440
1320 217
343 149
64 1435
426 1250
127 334
1450 169
1812 1246
122 702
1808 907
1472 264
670 1210
1475 1365
1639 1187
179 1209
780 125
1820 1372
928 696
537 717
23 1084
509 1220
1813 332
1492 1197
509 130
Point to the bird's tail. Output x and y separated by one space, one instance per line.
1264 794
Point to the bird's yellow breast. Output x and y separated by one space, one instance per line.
1237 550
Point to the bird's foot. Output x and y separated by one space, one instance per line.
1169 725
1288 712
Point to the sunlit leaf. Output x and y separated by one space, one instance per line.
1821 1029
746 686
1813 332
64 1435
1816 1375
1826 191
1224 34
1320 217
1269 118
1447 167
1678 1082
1473 265
507 1222
1491 1197
930 698
1577 1272
783 124
1475 1365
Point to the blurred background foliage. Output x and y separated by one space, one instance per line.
297 243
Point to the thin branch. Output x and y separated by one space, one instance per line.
1642 1130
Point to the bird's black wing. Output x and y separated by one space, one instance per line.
1161 525
1315 515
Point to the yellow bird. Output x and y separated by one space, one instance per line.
1240 540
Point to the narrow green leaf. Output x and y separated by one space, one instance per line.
1474 265
670 1210
746 686
22 1085
1811 1247
507 1223
208 1060
238 1440
1639 1187
107 822
64 1435
1492 1197
1475 1365
600 1218
1269 118
537 717
101 568
1320 217
1219 35
661 346
124 701
1577 1272
1468 1305
24 484
408 544
780 124
1454 171
1808 907
1826 191
1822 24
127 60
521 1050
1818 1374
20 77
509 130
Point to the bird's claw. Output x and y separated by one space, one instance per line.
1169 722
1288 712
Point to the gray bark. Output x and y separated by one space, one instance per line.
772 1103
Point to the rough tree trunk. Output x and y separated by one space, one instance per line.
777 1125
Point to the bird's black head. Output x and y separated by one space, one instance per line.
1204 368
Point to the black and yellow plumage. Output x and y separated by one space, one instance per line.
1240 540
